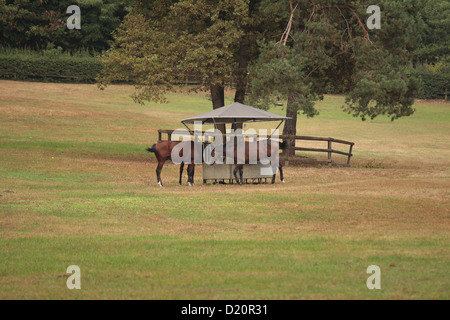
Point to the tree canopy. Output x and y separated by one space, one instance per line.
161 42
279 50
433 44
327 44
37 23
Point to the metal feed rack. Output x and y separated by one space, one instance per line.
235 114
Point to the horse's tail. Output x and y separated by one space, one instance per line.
152 149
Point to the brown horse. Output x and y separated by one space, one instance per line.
163 151
268 148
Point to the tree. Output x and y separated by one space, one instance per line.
434 43
37 24
327 42
160 43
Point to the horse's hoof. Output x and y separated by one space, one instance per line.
160 184
189 184
282 181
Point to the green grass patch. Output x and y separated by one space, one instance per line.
77 187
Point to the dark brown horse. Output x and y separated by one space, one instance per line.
163 151
268 148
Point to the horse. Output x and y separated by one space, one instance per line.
163 152
270 146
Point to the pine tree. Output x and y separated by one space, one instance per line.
327 45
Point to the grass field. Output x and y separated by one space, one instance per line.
78 188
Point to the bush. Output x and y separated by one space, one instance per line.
50 65
434 85
435 81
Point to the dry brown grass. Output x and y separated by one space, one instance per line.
73 166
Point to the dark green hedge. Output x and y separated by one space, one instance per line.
433 85
52 68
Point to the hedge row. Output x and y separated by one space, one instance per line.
434 86
52 68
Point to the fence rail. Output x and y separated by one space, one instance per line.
291 147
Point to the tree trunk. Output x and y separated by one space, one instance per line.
241 73
218 101
290 125
217 95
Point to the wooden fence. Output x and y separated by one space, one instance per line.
290 148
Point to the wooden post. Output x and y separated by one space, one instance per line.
159 135
329 151
286 151
292 146
169 136
349 154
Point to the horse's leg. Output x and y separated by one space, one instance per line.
281 173
241 173
236 169
191 170
181 173
274 175
188 170
235 175
158 172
